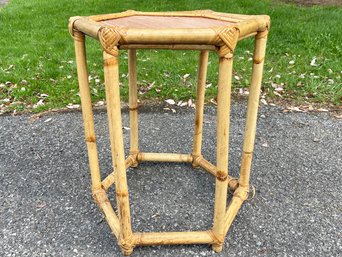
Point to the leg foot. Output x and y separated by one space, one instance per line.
127 252
217 248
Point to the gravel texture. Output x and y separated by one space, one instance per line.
45 200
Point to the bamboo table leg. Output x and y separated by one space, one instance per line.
133 106
223 114
111 71
87 111
202 74
252 108
241 194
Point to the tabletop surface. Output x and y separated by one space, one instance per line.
199 27
167 22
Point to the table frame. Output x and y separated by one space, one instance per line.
223 217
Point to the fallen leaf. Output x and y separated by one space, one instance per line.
99 103
296 109
39 103
41 205
213 101
322 110
190 103
337 116
73 106
313 62
263 101
170 101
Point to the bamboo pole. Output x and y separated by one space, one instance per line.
198 131
87 111
111 178
111 71
252 108
171 238
223 115
105 206
133 103
233 209
164 157
212 169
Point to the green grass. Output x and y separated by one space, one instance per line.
36 53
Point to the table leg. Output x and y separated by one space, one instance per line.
87 111
201 80
111 74
133 105
223 116
252 108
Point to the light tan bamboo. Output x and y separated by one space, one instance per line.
171 238
233 209
133 103
110 179
164 157
167 36
87 111
169 46
111 218
87 26
201 80
111 74
252 108
212 169
247 24
223 114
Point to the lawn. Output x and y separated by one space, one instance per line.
38 72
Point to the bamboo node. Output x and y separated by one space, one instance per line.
100 196
258 60
134 108
109 38
90 139
229 37
221 175
121 193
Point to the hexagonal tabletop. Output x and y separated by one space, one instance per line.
188 27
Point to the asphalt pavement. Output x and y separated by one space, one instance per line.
46 207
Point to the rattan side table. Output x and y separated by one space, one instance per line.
202 30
